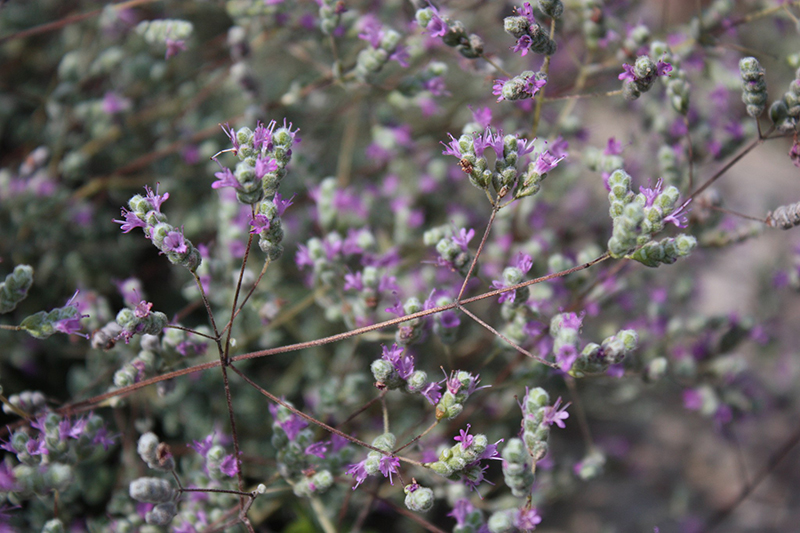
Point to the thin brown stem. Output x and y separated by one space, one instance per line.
86 404
415 439
478 252
314 421
517 347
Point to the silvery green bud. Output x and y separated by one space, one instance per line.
385 442
655 370
162 514
516 26
419 499
151 490
754 86
15 287
552 8
502 521
535 399
53 526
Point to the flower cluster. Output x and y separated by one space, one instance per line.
145 212
65 320
171 33
395 370
785 113
377 462
459 387
384 46
637 218
537 418
462 461
639 77
529 34
452 32
517 470
754 86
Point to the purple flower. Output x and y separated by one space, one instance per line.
463 238
527 519
303 257
663 68
174 47
232 136
280 204
614 147
678 216
36 446
154 198
437 26
103 438
461 509
113 104
259 223
651 194
527 11
264 166
431 392
353 282
388 466
225 178
358 472
262 136
318 448
131 220
142 309
566 357
371 31
523 45
203 446
175 242
464 438
692 399
453 147
546 162
554 415
497 89
627 73
229 466
482 115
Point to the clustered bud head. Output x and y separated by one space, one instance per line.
637 218
785 113
754 86
156 454
15 287
418 498
452 32
517 471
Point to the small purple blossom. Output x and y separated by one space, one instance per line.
614 147
265 166
131 220
546 162
566 357
388 466
650 194
464 438
175 242
523 45
318 448
627 73
280 204
554 415
229 466
527 519
259 223
359 473
527 11
463 238
679 215
174 47
431 392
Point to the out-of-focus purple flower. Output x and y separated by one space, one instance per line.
527 519
679 215
259 223
318 448
463 238
229 466
614 147
174 47
431 392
